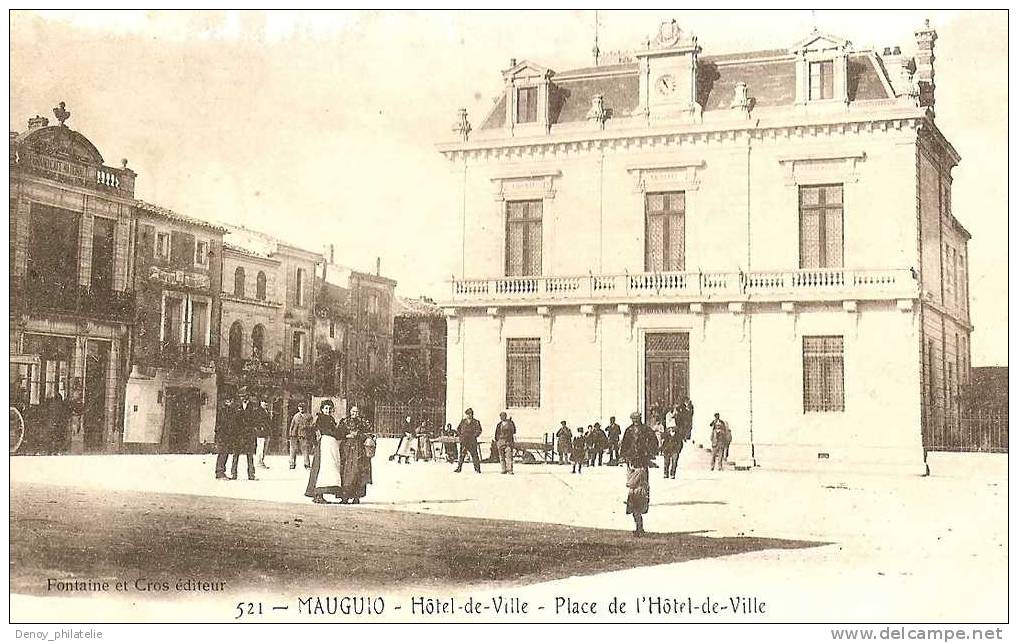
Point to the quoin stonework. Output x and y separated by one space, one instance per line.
769 233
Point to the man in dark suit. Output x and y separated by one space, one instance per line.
469 430
565 442
225 420
244 437
614 435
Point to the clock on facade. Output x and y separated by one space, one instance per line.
665 84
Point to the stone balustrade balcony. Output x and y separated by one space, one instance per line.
828 284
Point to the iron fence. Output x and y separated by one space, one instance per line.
984 430
390 418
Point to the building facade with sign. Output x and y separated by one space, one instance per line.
171 396
768 233
71 302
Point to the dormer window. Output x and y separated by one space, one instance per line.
821 69
526 105
821 80
527 91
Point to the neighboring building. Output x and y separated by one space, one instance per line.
419 335
358 310
171 396
769 233
986 391
268 320
71 303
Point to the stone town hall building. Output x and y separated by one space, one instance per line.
769 233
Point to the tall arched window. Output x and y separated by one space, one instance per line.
257 341
260 286
236 340
238 282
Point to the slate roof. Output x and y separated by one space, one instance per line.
769 74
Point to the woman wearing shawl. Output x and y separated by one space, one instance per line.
357 448
325 467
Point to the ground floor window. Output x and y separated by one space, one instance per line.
823 374
523 373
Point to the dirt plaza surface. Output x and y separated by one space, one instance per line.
812 547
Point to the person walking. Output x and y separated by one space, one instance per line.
324 475
505 442
638 448
686 418
579 451
469 431
244 437
671 447
564 442
225 419
301 424
720 440
356 450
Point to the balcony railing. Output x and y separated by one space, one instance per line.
73 299
817 284
178 355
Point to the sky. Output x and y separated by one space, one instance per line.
321 127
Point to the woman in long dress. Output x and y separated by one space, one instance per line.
357 448
423 442
325 467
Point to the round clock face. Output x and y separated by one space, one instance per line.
665 84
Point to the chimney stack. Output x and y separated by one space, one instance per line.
924 72
378 266
332 253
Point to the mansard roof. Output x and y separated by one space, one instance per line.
769 75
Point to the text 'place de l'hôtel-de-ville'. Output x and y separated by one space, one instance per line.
768 233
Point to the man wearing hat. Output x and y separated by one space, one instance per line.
469 431
505 441
564 442
244 437
639 446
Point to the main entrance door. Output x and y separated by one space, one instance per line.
666 369
97 359
182 418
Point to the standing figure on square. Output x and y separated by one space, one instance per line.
469 431
505 442
564 442
639 447
301 426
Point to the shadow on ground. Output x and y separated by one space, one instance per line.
65 533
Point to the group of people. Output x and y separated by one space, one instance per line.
588 447
424 443
341 458
337 454
242 428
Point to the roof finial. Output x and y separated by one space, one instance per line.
61 113
597 52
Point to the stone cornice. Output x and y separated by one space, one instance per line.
791 125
